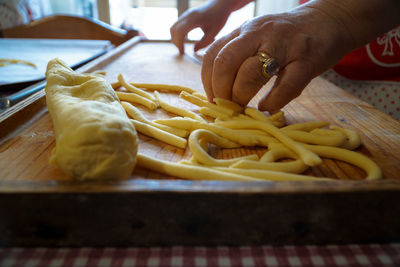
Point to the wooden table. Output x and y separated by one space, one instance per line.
39 205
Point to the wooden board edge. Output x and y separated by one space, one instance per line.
17 117
188 186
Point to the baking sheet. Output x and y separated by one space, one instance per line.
40 51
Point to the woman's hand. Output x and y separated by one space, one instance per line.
305 42
210 17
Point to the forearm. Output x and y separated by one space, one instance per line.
230 5
363 21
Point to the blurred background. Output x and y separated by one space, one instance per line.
152 17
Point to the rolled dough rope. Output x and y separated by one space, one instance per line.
188 162
203 103
233 118
135 90
203 157
256 132
279 119
136 114
158 134
353 138
228 104
200 95
270 175
240 137
262 174
277 151
317 137
277 116
116 85
164 87
135 98
242 117
188 171
236 127
258 115
308 157
176 110
295 166
180 123
373 171
213 113
306 126
7 61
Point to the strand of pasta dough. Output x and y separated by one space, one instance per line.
135 90
203 103
203 157
158 134
306 126
135 98
176 110
200 95
357 159
277 151
258 115
267 175
164 87
213 113
353 138
308 157
239 137
188 171
318 137
136 114
228 104
237 127
272 175
295 166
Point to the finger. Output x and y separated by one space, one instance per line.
178 33
207 39
290 83
231 58
227 64
208 62
249 81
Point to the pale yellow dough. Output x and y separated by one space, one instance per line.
94 137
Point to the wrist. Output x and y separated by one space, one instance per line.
360 21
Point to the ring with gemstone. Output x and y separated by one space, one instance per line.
270 66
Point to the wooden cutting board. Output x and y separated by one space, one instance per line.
39 205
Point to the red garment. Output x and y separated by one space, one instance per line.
378 60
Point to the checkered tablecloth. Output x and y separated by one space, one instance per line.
277 256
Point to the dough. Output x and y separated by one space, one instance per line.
95 139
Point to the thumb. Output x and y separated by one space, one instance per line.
290 83
207 39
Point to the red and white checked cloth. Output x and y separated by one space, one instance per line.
276 256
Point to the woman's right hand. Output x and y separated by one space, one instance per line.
210 17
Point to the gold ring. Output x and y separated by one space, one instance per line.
270 66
